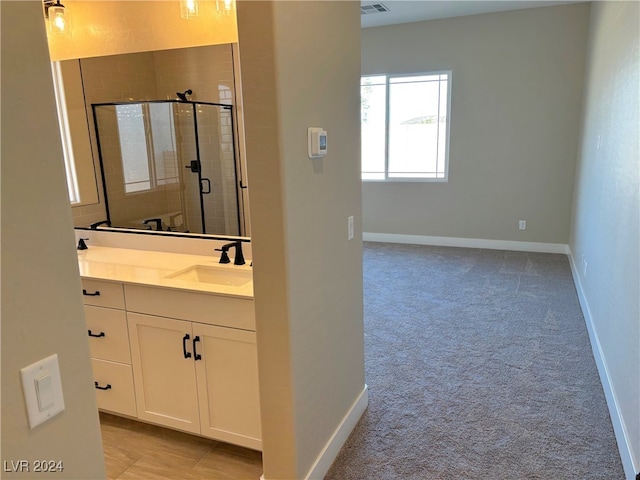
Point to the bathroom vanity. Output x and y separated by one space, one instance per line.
173 341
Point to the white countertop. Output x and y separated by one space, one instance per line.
150 268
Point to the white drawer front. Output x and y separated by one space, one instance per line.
102 294
197 307
108 334
114 390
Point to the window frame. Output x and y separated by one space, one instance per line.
152 177
65 135
446 142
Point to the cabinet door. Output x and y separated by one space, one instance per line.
163 371
228 384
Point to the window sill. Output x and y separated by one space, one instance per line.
407 180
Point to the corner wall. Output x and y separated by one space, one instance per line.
605 240
301 68
42 311
516 97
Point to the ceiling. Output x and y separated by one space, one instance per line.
405 11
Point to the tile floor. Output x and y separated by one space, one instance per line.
137 451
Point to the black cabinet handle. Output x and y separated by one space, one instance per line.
196 355
184 346
101 334
94 294
108 387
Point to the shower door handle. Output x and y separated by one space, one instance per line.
208 183
194 166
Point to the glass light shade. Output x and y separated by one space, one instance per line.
188 8
224 7
57 20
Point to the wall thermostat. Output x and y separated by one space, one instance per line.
317 142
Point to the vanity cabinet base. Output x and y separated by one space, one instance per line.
183 360
196 378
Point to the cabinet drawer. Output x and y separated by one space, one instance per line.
116 379
102 294
210 309
108 334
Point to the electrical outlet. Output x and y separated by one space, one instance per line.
350 228
522 224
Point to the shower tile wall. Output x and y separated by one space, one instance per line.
208 72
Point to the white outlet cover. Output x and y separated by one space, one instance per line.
42 389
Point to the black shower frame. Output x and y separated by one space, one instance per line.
225 106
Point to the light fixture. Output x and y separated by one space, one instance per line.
55 13
224 7
188 8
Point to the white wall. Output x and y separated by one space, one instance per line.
42 310
605 227
301 68
516 97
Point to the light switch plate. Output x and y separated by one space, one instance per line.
42 389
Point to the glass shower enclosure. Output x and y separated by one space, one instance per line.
169 165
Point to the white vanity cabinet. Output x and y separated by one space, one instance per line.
195 363
109 344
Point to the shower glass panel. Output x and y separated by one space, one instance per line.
169 165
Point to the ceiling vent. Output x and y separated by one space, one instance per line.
373 8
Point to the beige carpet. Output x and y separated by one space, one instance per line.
479 366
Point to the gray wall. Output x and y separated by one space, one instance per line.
307 275
516 97
42 310
605 228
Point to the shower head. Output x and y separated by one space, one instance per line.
183 96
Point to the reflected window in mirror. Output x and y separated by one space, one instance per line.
74 133
147 145
65 134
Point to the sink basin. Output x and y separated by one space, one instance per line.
213 275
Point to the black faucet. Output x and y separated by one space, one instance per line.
157 221
94 226
224 257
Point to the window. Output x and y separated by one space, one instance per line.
65 134
147 146
405 126
74 133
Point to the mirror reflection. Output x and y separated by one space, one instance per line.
169 165
154 140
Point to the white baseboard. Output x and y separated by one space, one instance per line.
330 451
622 437
332 448
467 242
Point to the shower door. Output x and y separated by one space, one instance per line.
210 187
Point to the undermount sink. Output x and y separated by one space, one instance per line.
213 275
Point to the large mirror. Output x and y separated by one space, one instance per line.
161 131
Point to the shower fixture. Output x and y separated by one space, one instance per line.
183 96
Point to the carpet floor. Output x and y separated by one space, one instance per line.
479 366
